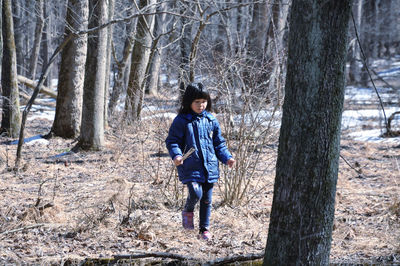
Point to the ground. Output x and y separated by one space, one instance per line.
66 207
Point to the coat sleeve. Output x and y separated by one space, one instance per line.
175 139
221 150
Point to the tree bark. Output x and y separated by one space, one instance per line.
92 126
300 229
67 120
11 116
139 61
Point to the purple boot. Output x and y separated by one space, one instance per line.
187 220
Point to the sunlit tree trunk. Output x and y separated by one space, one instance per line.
92 126
11 116
68 115
300 229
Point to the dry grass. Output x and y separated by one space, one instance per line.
92 192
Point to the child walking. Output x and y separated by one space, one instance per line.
194 127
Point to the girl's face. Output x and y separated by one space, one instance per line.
199 105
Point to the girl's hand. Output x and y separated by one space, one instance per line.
230 162
178 160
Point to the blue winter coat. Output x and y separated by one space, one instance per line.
202 132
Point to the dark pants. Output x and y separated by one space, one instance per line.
202 192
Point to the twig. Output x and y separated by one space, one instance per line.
357 171
189 152
21 229
369 73
232 259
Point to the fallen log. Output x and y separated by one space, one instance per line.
186 260
32 84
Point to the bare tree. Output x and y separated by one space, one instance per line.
275 48
185 44
123 66
92 125
110 16
160 27
301 223
67 120
139 61
11 116
39 10
355 60
18 8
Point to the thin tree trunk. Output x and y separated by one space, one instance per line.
19 35
11 116
154 74
185 44
355 60
257 33
140 59
68 115
111 8
122 67
39 7
92 126
46 39
301 223
275 48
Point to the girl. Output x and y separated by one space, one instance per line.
194 127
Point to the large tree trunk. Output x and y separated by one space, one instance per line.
140 59
67 119
300 229
11 116
92 126
39 7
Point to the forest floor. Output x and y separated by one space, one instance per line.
67 207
